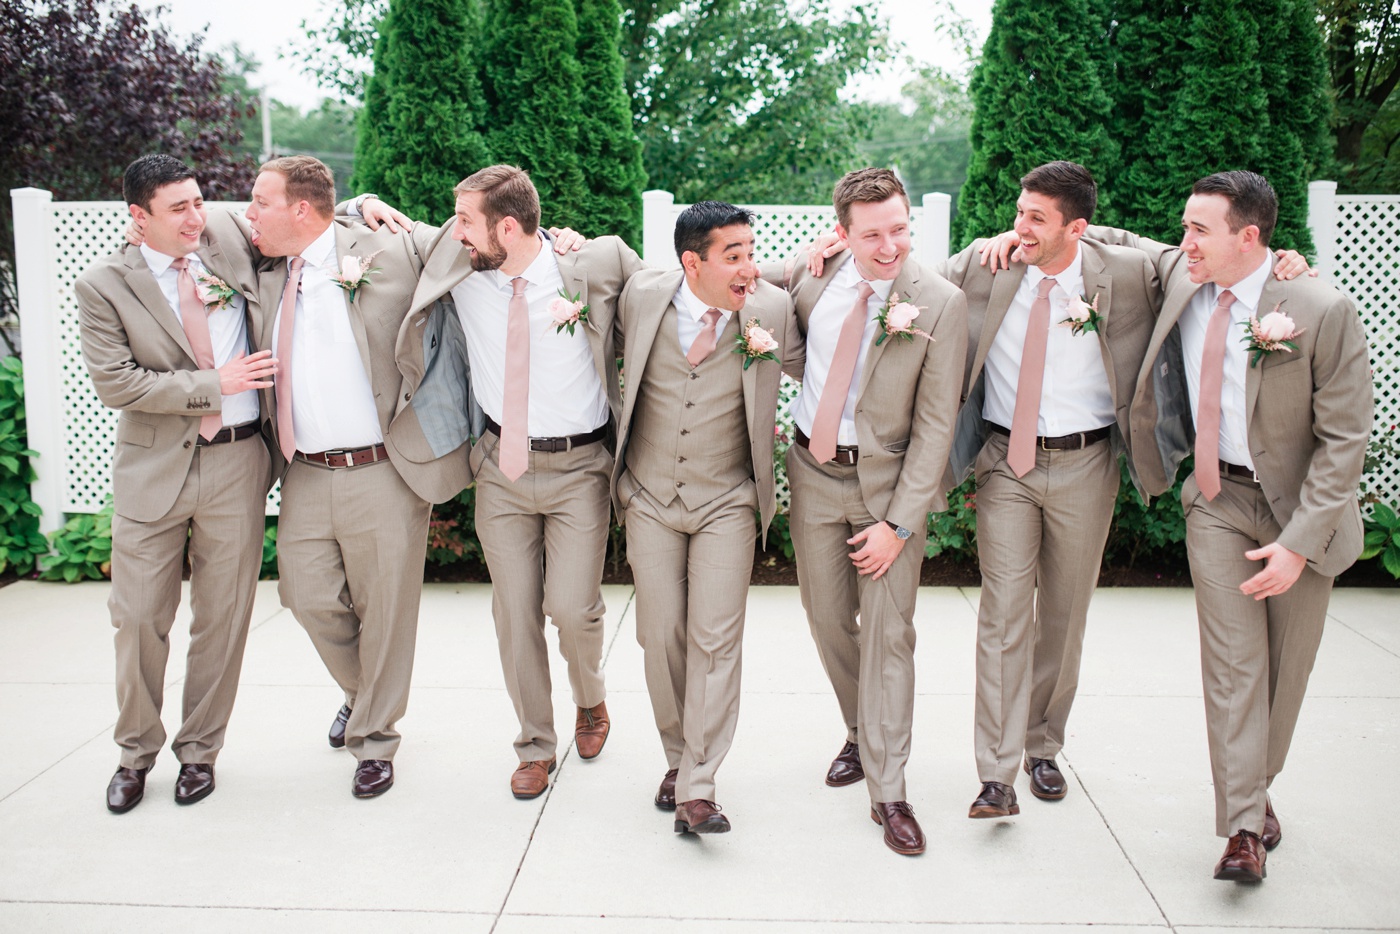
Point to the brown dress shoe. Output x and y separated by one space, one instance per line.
700 817
666 794
1243 860
196 782
1273 833
126 789
530 779
591 730
902 832
337 734
845 768
373 777
996 800
1047 783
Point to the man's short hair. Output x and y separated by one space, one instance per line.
506 191
1069 183
308 179
865 186
149 173
694 224
1252 200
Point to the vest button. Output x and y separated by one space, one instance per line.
694 375
681 460
685 431
690 405
679 484
187 443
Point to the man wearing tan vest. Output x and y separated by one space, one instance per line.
165 331
703 360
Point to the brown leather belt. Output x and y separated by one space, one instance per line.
846 455
338 459
232 433
1075 442
557 445
1239 472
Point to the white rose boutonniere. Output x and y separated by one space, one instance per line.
755 343
354 273
567 311
897 318
1270 334
1081 316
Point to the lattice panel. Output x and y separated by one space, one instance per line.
781 230
83 232
1368 268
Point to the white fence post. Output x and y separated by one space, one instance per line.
934 229
658 228
43 377
1322 221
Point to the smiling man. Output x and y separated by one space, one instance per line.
694 464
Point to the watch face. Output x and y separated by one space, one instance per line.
902 533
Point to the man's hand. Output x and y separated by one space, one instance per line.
826 246
1000 251
376 212
1281 569
134 234
1291 264
881 547
567 239
254 371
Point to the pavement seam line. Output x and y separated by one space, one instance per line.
1363 635
56 763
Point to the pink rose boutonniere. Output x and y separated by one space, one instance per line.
567 311
354 273
755 343
897 318
215 293
1269 334
1082 317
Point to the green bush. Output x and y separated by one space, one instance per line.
1140 531
955 529
82 549
20 541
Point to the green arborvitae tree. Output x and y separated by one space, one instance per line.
373 122
427 129
1038 98
610 155
534 97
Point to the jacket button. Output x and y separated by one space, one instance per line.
681 460
693 376
407 396
188 443
685 431
690 405
679 484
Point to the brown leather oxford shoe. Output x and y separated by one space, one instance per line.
1047 783
1273 832
126 789
591 730
1243 860
666 794
373 777
196 782
996 800
530 779
846 768
902 831
337 734
700 816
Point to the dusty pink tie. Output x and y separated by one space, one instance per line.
282 383
1020 456
704 343
827 421
1208 409
515 419
195 320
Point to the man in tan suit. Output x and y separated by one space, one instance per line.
694 464
860 504
169 347
1278 426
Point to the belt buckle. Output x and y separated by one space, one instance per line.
327 455
1042 439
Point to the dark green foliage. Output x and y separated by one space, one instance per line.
20 541
452 531
82 549
610 155
1362 42
955 529
1155 532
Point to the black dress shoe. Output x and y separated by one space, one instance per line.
845 768
196 782
666 794
337 734
996 800
126 789
1047 783
902 831
1273 833
373 777
700 816
1243 860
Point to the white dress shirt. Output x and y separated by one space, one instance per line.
690 318
566 394
1234 433
823 330
228 329
332 400
1074 393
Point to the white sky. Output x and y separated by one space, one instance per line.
267 28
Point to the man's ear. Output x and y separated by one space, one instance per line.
138 214
690 262
1249 238
1076 228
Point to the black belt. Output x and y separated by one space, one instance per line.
557 445
1239 472
846 455
1074 442
338 459
232 433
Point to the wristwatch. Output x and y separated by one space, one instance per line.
360 203
900 532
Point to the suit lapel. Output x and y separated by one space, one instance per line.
345 240
906 287
576 283
1004 288
1098 287
1272 295
448 264
143 283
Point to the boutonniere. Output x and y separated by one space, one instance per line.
568 310
215 293
354 273
897 318
1269 334
1082 317
755 343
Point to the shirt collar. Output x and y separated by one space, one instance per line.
688 302
848 276
1248 290
158 262
1068 280
536 272
321 252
